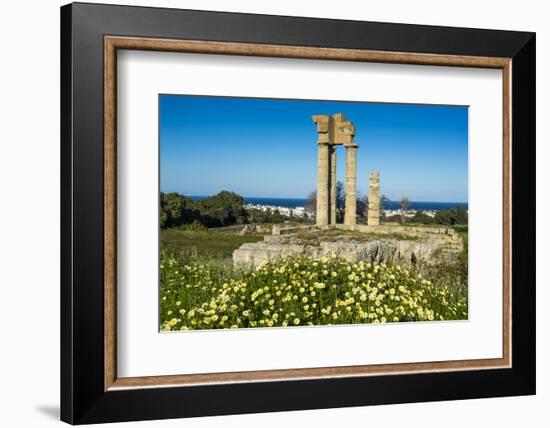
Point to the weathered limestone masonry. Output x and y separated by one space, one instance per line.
373 242
404 245
277 230
374 199
420 232
351 184
333 185
324 128
334 130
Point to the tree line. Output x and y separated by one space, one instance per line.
223 209
449 217
220 210
227 209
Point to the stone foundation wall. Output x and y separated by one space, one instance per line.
277 230
404 245
385 229
408 231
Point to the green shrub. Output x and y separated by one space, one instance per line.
194 227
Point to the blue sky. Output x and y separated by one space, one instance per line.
268 147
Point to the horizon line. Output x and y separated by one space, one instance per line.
298 198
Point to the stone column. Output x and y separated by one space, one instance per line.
374 199
351 185
323 166
333 184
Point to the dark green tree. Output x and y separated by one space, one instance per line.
276 217
422 218
223 209
362 206
340 202
404 206
311 202
175 210
444 217
461 215
457 215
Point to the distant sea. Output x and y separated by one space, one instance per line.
391 205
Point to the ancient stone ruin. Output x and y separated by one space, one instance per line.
373 214
373 242
403 245
334 130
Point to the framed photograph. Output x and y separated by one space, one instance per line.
265 213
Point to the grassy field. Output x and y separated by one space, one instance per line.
210 243
201 289
199 293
